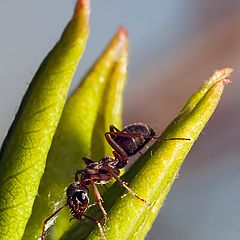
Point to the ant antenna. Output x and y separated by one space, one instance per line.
48 219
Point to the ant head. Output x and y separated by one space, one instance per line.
77 197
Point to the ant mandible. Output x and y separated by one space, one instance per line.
125 143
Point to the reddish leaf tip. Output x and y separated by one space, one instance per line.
220 74
122 33
225 81
225 70
82 5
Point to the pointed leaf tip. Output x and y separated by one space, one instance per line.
82 4
118 42
220 73
122 32
225 70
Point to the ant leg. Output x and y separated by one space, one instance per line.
116 132
108 135
124 134
99 201
79 172
167 139
140 153
48 219
77 177
113 128
117 156
122 162
116 147
123 184
87 160
98 224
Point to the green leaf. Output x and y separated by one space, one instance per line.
153 174
109 112
73 137
25 149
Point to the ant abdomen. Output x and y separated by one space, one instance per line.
131 139
135 144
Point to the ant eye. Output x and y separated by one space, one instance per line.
82 197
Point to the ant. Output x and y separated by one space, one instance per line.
125 143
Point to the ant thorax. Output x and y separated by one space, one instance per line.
96 171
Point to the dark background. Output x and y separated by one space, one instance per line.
174 46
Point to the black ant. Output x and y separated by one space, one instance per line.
125 143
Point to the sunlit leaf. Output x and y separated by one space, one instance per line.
25 149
